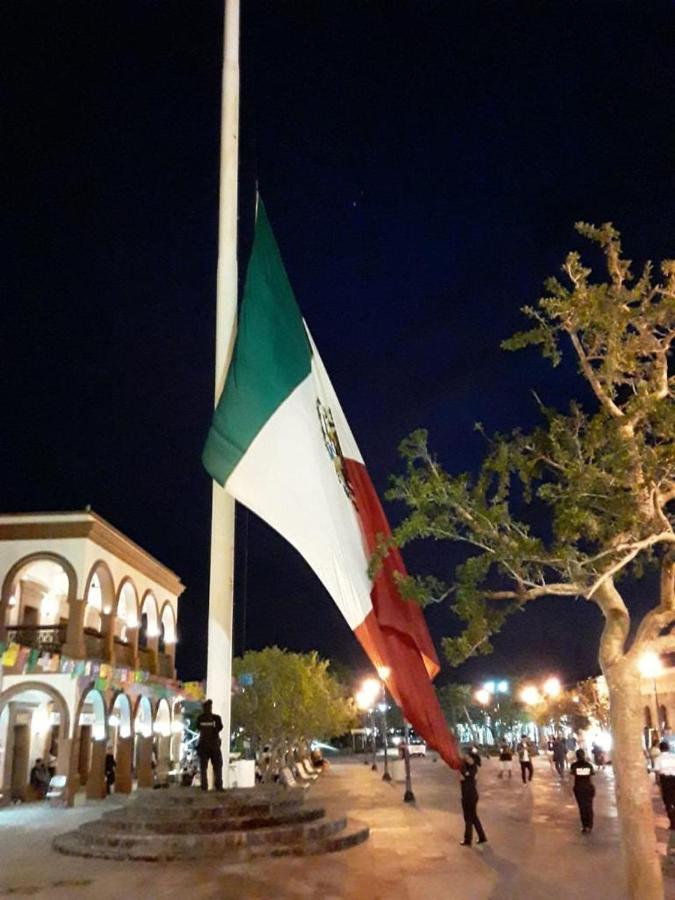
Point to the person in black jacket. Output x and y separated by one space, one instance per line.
584 790
467 776
208 748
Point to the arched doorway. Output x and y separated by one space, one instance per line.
91 741
167 641
177 727
34 724
36 600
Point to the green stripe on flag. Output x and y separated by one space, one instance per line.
271 356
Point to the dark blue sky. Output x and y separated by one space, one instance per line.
422 165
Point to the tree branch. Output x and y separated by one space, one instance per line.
593 380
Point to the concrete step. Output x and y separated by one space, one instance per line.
193 821
298 839
259 797
354 833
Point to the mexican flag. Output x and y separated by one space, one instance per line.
281 445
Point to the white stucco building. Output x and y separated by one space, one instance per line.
88 628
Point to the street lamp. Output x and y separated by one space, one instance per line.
368 694
552 687
384 672
650 666
530 695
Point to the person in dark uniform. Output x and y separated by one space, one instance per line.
208 748
467 776
584 790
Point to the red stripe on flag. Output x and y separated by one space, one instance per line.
395 634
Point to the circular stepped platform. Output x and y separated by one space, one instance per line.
235 825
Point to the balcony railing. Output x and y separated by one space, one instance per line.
124 653
165 667
146 659
93 643
46 638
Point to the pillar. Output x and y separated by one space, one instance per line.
124 757
96 788
144 770
74 645
108 632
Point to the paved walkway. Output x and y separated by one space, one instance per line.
535 850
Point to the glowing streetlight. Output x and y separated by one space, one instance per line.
552 687
650 666
530 695
483 696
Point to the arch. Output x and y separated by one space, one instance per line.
167 626
100 730
149 619
120 714
143 717
44 688
126 607
10 578
162 723
100 572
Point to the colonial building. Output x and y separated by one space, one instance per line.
87 644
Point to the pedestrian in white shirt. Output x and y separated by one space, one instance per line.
664 766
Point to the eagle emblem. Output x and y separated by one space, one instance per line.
332 442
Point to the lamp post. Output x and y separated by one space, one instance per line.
408 796
365 700
384 672
650 666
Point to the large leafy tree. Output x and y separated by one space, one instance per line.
286 700
574 506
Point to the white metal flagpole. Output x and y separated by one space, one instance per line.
221 582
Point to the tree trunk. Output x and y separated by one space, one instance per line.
633 787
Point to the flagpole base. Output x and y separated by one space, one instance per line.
408 797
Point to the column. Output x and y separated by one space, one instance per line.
74 645
96 789
144 770
125 752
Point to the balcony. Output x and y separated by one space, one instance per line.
165 667
93 643
45 638
146 659
124 653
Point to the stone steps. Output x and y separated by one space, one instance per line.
305 840
232 826
196 822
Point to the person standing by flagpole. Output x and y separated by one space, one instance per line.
221 579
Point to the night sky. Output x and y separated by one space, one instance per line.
422 164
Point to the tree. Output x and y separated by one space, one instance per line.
292 699
594 701
601 479
562 709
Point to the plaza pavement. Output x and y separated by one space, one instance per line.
535 849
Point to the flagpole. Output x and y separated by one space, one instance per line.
221 580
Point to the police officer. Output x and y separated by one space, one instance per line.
467 775
584 790
208 748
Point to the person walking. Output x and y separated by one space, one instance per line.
584 790
39 778
505 757
525 757
559 756
467 775
209 726
664 766
110 766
